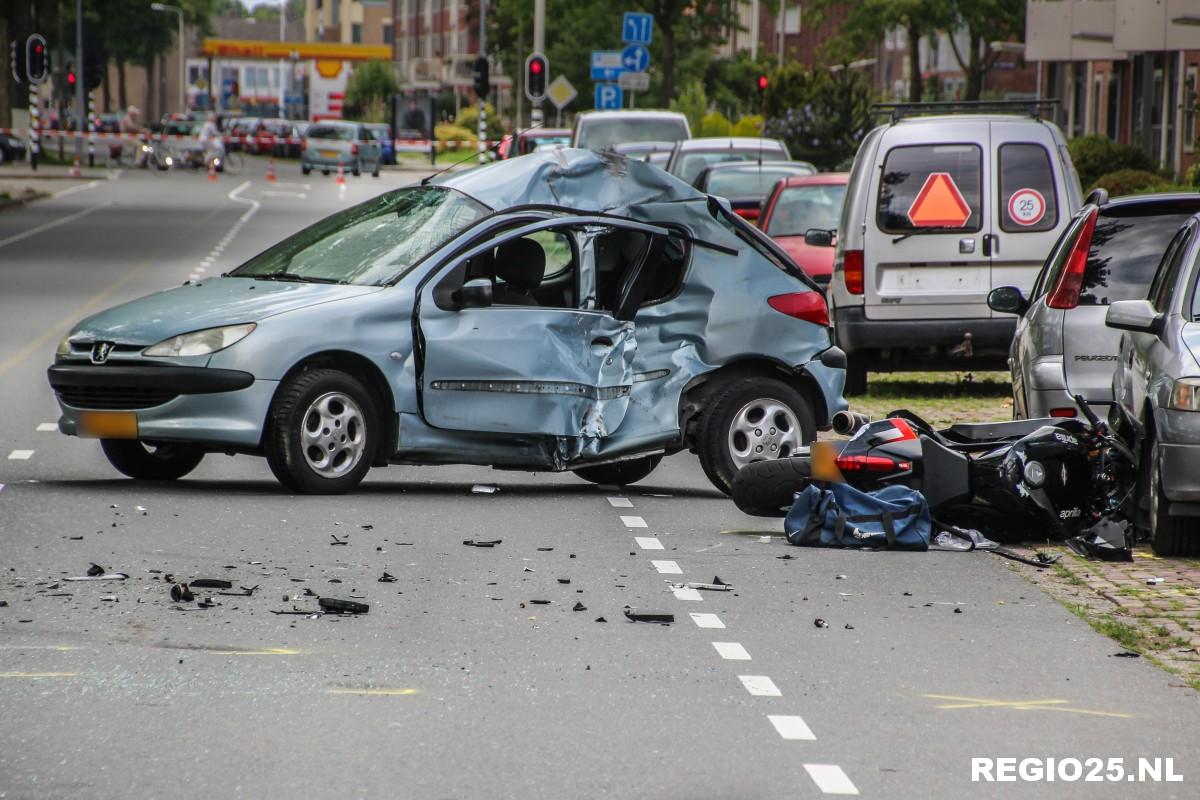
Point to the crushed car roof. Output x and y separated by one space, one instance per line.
584 180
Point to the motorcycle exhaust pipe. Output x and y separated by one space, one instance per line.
848 423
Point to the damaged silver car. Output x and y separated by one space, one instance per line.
566 310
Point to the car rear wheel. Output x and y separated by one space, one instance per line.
356 170
749 420
375 172
767 488
1169 536
306 169
321 435
621 473
147 461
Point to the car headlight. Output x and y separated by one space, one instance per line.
1185 394
201 343
64 346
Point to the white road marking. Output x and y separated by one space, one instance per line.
74 189
760 685
195 276
686 593
792 728
732 651
1 487
830 779
706 620
20 455
270 193
620 502
634 522
47 426
54 223
648 543
667 567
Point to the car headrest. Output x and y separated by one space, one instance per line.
521 263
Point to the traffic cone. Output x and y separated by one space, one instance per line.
212 169
75 170
341 178
271 170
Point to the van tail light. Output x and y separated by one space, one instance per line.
871 464
1065 293
808 306
852 271
354 149
1062 412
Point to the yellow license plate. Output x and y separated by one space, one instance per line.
330 153
108 424
824 468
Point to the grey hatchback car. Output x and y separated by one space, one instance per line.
332 144
1157 390
1108 253
565 310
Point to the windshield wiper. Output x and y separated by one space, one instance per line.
929 230
292 276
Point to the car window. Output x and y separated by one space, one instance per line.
372 242
1027 203
799 208
906 170
749 182
598 133
531 143
556 246
690 164
331 132
1125 253
1165 277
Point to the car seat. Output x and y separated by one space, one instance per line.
521 264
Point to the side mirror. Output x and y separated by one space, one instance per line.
1139 316
475 293
819 237
1007 300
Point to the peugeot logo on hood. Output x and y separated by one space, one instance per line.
100 351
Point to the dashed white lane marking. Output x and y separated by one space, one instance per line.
20 455
732 651
667 567
634 522
54 223
792 728
648 543
620 502
830 779
686 593
47 426
706 620
1 487
760 685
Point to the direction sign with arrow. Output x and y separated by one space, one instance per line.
635 58
606 65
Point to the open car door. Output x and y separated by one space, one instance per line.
496 360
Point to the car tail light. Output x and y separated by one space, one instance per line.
870 464
1065 293
1062 412
750 214
852 271
808 306
354 149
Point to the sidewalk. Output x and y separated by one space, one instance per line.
20 170
1161 621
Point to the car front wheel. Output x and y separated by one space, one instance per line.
146 461
1169 536
321 433
749 420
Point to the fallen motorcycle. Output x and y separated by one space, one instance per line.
1054 477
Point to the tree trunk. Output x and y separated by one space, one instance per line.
668 65
106 84
122 100
148 110
975 69
915 83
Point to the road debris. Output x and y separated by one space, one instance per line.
820 623
337 541
564 581
485 488
839 577
660 617
333 606
717 585
109 598
483 543
547 550
180 593
104 576
246 591
579 607
94 570
601 619
210 583
958 610
1154 581
1127 654
539 602
849 627
388 577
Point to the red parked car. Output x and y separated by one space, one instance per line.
799 203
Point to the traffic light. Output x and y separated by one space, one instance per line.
16 63
481 78
37 59
762 85
536 68
93 70
71 77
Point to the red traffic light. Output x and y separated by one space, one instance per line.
762 83
71 78
535 66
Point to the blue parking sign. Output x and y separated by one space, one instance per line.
608 97
637 28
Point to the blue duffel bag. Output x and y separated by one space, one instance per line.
892 518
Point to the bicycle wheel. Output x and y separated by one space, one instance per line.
234 162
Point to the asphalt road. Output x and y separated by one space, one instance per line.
456 684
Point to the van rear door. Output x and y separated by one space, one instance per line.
924 244
1030 205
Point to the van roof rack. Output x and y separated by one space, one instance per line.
898 111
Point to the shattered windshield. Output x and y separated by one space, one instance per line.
371 242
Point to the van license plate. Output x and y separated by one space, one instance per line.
108 425
330 154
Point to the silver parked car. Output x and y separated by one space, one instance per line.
333 143
600 130
690 157
1157 390
1108 253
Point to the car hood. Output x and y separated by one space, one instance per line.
813 260
208 304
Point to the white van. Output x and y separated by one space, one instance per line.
940 210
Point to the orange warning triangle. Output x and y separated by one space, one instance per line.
939 204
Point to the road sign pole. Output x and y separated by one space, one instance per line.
539 46
482 126
80 108
35 102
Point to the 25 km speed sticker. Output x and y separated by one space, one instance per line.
1027 207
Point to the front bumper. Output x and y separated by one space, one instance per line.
195 404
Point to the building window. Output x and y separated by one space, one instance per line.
336 12
1189 110
356 33
389 33
1114 104
1097 95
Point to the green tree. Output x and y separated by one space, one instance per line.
821 115
680 27
369 91
984 21
731 82
693 104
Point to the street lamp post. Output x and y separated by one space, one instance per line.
182 84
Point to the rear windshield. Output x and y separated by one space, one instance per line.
799 208
689 165
598 133
1125 253
531 143
330 132
1027 198
950 175
754 182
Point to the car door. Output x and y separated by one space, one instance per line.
924 243
555 370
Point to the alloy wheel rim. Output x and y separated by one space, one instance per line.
333 435
762 430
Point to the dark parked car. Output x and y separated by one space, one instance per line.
745 183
